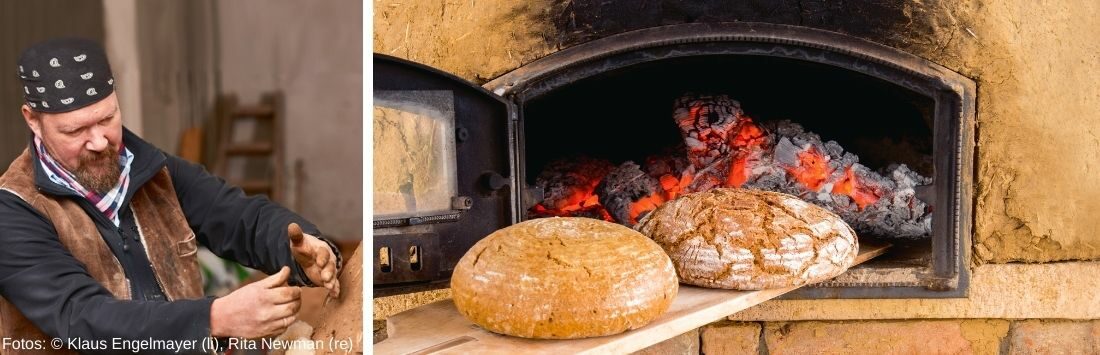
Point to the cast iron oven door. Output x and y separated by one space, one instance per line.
441 162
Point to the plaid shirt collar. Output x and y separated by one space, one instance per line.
109 203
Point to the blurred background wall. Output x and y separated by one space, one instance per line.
21 24
174 59
313 51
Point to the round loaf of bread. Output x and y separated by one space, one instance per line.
750 239
563 278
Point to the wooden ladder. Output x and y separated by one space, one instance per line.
267 118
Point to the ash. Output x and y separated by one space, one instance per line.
723 147
895 211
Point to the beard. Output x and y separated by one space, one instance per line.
99 171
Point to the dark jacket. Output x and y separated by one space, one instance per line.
55 292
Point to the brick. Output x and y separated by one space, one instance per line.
683 344
1054 337
731 338
886 337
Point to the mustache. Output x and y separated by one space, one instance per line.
96 158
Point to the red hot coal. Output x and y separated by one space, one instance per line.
724 147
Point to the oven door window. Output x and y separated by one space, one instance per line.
414 153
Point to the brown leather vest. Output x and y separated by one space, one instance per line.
168 239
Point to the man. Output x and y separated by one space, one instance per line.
99 229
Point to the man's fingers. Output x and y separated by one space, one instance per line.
323 256
279 326
328 273
280 311
278 279
295 234
283 295
290 308
289 321
333 288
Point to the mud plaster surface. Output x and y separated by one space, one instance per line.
1038 146
475 40
1036 65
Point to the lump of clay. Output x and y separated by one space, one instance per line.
750 239
563 278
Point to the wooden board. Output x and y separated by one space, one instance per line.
438 328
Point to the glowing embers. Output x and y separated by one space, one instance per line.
569 189
627 193
723 147
812 168
852 186
745 143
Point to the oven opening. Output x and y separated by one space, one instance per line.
578 137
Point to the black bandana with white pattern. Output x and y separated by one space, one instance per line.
61 75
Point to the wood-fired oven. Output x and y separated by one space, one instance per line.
455 161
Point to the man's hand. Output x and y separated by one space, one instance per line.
263 308
316 259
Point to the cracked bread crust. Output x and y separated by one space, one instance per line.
750 239
563 278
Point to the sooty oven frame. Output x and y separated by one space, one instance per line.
950 194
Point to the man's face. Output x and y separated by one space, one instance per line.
85 141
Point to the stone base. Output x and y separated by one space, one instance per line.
955 336
1004 291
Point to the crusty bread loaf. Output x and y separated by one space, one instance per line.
563 278
750 239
